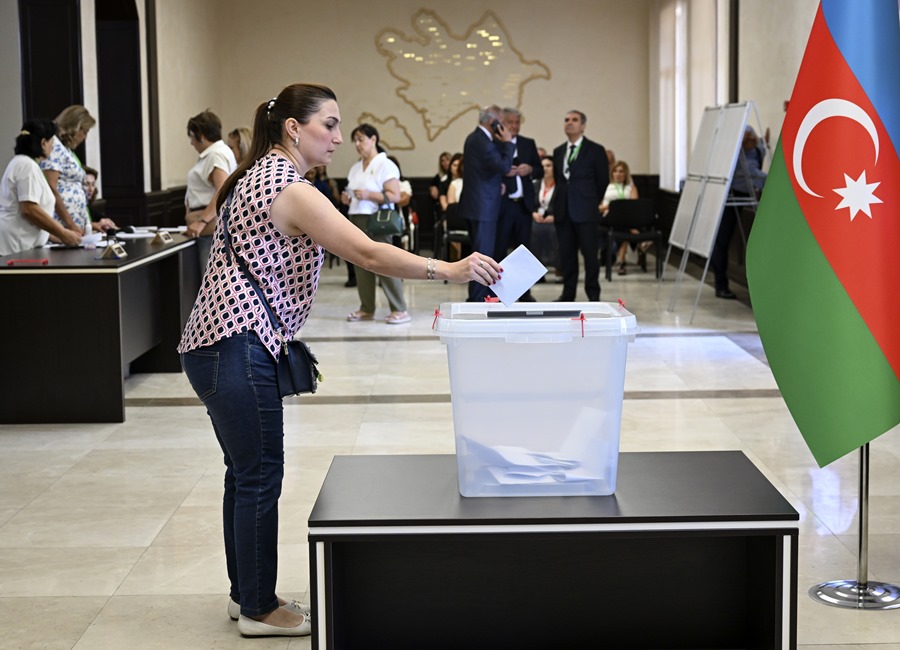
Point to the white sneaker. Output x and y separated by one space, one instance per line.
234 609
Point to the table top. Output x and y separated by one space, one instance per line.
69 260
652 487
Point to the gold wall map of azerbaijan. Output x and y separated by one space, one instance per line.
391 133
443 75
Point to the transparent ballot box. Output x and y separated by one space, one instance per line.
536 390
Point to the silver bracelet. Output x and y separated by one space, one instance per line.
430 268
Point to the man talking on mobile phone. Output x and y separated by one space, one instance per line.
487 158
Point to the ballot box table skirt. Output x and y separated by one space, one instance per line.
694 550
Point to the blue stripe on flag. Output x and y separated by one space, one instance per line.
867 32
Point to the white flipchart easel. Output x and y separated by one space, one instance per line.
704 196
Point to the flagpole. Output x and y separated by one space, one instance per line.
861 593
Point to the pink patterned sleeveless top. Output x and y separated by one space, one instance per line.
286 268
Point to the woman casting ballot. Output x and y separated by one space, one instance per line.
280 226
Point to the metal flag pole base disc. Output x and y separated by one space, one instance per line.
849 594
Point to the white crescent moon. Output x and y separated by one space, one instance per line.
822 111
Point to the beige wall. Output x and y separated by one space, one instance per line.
191 75
772 40
230 55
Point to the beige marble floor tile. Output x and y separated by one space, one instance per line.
883 557
53 437
143 463
192 526
65 571
6 514
163 427
201 570
17 490
51 463
207 491
83 527
84 489
178 570
397 437
153 385
173 621
24 621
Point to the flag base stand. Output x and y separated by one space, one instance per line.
861 593
853 595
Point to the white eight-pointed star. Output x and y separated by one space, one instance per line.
858 196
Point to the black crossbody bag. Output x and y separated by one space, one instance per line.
298 370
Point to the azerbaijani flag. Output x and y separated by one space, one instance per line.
823 260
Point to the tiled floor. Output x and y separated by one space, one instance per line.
109 534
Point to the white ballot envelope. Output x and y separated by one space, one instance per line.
521 269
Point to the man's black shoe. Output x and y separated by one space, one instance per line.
727 294
350 283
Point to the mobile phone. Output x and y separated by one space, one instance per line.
495 125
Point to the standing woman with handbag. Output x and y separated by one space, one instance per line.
279 226
373 181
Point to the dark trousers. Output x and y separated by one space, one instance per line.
514 227
575 237
718 260
483 235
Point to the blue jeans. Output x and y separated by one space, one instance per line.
236 380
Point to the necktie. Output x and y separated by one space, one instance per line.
569 160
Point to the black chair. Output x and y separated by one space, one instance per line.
456 229
624 216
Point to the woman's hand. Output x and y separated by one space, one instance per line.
478 267
194 229
105 224
69 237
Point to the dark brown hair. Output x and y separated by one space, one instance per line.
206 124
299 101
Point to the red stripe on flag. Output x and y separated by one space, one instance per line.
836 129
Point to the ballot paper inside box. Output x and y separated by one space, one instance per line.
536 390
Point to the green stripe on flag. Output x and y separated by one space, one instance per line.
835 379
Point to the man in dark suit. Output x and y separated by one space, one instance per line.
487 158
514 227
581 169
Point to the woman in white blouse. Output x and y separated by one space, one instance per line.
214 165
621 188
373 181
26 200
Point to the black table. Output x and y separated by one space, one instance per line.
75 327
695 550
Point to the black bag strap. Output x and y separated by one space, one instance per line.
229 249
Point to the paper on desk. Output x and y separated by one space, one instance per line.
137 234
521 270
